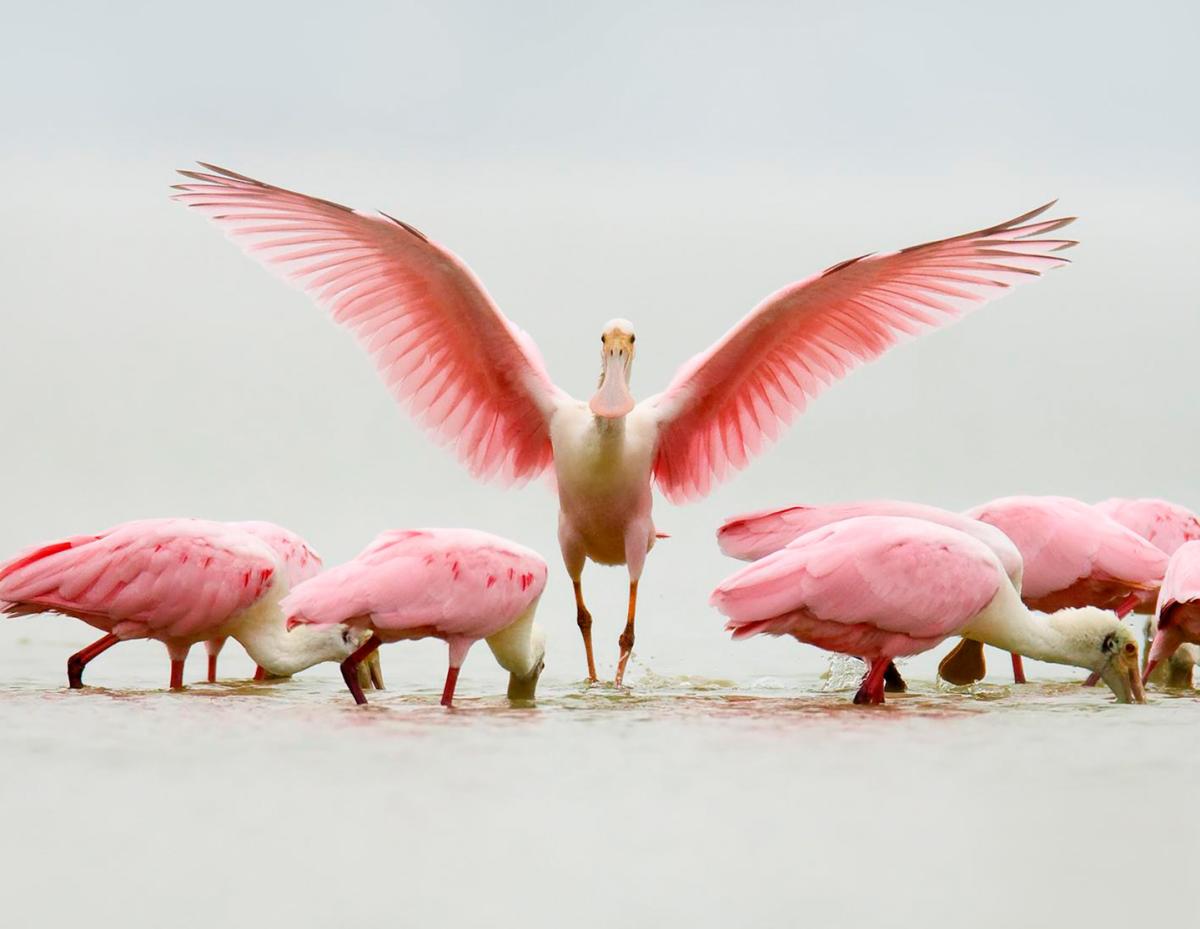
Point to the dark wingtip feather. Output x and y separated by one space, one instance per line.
403 225
221 175
833 269
225 172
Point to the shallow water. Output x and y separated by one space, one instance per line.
684 800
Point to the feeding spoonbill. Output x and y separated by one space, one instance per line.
180 581
881 587
478 383
458 585
1074 556
1177 613
754 535
1165 525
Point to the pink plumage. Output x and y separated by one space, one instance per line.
1178 609
754 535
876 587
1075 555
724 404
177 580
460 585
300 562
1163 524
476 381
443 347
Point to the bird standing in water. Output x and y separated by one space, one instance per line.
478 383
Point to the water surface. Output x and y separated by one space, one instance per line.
683 801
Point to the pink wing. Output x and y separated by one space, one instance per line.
465 371
168 578
897 574
1163 524
1064 541
451 582
1182 581
755 535
299 561
724 403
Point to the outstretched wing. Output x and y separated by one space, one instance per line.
725 402
465 371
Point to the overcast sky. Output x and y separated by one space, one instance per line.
667 162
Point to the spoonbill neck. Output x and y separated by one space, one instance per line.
520 650
515 647
262 632
1010 625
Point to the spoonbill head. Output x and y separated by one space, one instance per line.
612 398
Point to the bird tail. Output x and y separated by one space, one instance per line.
14 577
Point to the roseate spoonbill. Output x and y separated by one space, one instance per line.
459 585
1178 610
1074 556
1165 525
180 581
477 382
881 587
752 535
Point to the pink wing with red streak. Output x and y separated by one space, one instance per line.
897 574
457 582
166 577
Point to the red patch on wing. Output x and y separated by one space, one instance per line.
491 580
35 556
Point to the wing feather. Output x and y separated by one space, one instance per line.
734 398
414 306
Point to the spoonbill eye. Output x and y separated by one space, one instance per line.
1130 648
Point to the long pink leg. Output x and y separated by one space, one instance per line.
458 654
350 668
178 657
451 683
871 690
213 647
1018 669
77 662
